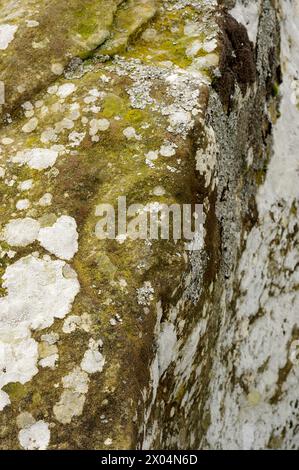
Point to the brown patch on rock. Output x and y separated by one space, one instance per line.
237 60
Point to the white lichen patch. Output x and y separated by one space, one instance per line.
76 138
22 204
50 338
35 437
159 191
206 156
30 126
37 293
61 239
166 346
72 322
73 397
248 13
108 442
4 400
7 33
58 236
65 90
21 232
25 185
97 125
18 354
179 120
70 405
36 158
130 133
45 200
57 68
32 23
31 283
168 149
93 361
77 380
145 294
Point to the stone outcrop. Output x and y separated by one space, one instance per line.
148 343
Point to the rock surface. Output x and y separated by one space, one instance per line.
128 343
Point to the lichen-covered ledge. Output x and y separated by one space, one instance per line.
78 313
119 343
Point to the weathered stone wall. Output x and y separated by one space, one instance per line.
126 343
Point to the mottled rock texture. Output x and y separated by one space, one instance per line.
123 343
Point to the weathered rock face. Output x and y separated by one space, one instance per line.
145 343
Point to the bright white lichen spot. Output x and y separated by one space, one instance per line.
207 46
191 28
35 437
145 294
168 149
7 141
93 361
37 293
65 90
50 338
65 123
61 239
32 23
150 157
21 232
159 191
4 400
25 185
76 138
57 68
194 48
209 61
98 125
206 157
30 126
18 353
179 118
46 200
23 204
130 133
103 124
7 32
166 346
49 135
36 158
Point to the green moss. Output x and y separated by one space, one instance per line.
275 89
16 391
113 105
135 116
87 29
